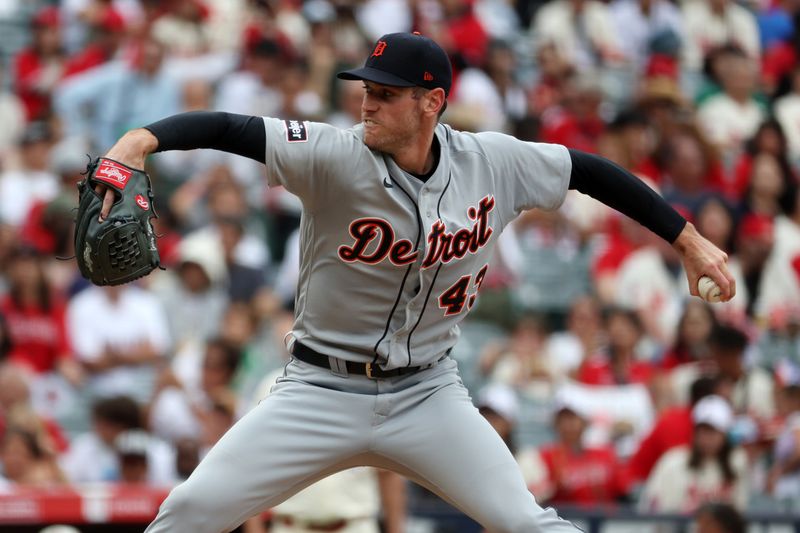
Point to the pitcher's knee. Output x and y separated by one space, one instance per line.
541 521
186 510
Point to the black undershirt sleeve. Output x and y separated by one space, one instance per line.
617 188
238 134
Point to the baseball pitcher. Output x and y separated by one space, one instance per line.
400 216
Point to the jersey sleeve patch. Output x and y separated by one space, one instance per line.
296 131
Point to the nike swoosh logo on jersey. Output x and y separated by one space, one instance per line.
387 183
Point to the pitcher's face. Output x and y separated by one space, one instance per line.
391 116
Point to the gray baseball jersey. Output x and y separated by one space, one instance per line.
391 265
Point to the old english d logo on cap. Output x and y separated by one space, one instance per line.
379 48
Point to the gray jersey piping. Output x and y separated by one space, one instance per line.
408 269
435 275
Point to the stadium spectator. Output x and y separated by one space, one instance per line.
787 113
552 242
666 107
691 339
733 116
640 22
690 167
48 226
255 88
16 409
576 122
5 339
637 146
489 98
619 363
193 296
672 428
107 36
567 471
769 139
348 109
499 405
126 344
21 188
783 479
717 22
583 30
767 187
754 244
12 116
123 94
714 219
81 17
180 28
38 68
645 282
710 469
131 447
36 317
779 292
554 73
719 518
583 336
521 358
180 408
248 330
92 456
187 457
25 463
752 389
245 282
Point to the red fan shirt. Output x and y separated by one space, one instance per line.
583 477
38 337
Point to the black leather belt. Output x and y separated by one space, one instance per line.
303 353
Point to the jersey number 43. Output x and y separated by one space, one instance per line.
453 299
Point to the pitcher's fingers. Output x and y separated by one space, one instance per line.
722 278
732 281
108 201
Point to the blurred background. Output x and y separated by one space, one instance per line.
629 404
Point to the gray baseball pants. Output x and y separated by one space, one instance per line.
314 423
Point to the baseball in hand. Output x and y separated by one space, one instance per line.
709 290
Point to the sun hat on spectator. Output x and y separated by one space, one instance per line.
205 251
661 89
713 411
567 403
501 399
134 442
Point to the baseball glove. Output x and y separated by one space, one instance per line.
122 248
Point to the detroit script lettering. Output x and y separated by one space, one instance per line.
377 235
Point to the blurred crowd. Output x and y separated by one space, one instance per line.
609 382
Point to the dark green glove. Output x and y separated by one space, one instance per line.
122 248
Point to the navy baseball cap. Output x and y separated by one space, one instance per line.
405 60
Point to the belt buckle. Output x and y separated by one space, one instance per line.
368 370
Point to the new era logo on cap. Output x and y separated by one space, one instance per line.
405 60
